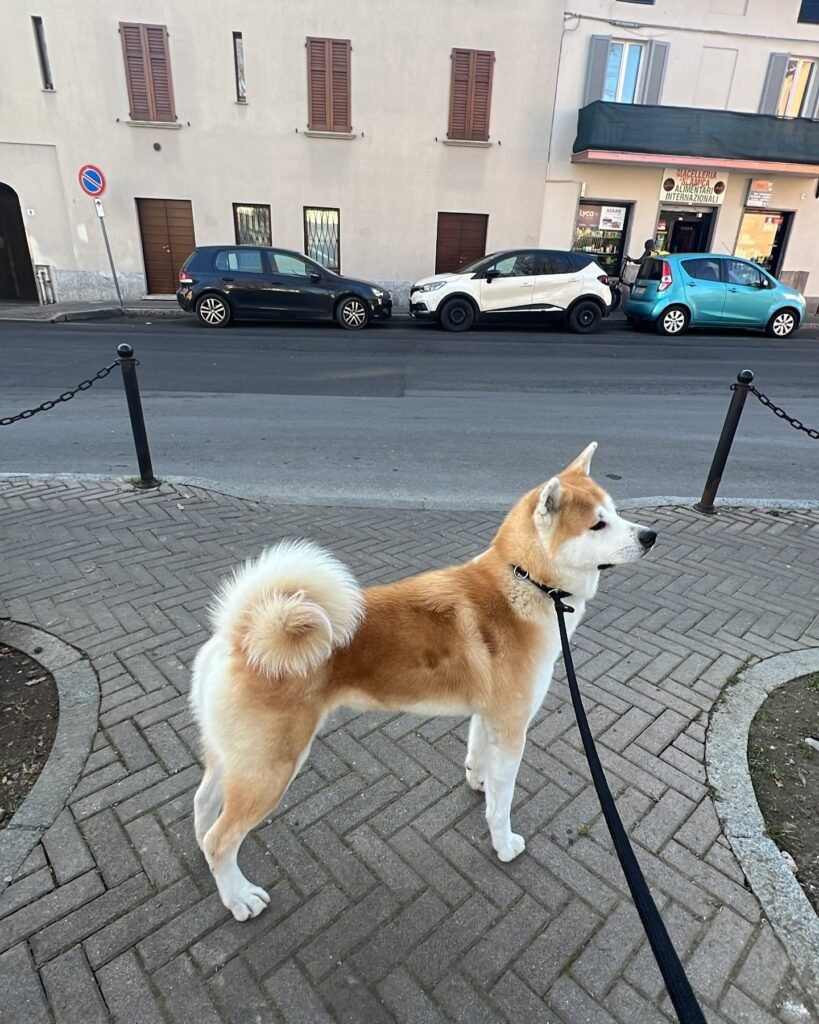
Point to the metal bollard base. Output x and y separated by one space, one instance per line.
707 510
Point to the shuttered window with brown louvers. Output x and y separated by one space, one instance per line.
328 85
148 72
470 95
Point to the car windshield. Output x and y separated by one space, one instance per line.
470 268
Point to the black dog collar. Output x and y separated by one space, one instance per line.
552 592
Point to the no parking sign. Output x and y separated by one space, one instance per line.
92 180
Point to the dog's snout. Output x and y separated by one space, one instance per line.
647 538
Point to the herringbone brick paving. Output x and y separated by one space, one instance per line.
387 903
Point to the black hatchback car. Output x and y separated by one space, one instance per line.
221 283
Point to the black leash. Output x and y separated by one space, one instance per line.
684 1001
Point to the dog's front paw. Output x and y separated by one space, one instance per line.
511 847
247 902
474 779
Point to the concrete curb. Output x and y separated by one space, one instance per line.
726 764
252 493
79 696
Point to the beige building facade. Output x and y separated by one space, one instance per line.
394 141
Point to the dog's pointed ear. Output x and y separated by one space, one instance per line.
583 460
548 501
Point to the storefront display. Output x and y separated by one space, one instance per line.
600 231
762 236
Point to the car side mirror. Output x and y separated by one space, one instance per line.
315 277
490 276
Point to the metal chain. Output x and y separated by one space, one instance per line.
797 424
66 396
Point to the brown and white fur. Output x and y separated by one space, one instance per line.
294 637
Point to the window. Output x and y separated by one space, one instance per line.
791 86
321 236
648 3
650 270
557 263
148 72
239 67
248 261
470 95
809 12
252 224
520 264
796 88
743 274
328 85
703 270
42 53
292 266
625 71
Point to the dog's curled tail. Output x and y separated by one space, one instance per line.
287 610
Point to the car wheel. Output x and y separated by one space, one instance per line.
782 324
584 317
672 321
352 314
213 311
457 315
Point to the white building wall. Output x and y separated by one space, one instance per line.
389 182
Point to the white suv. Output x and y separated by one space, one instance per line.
568 284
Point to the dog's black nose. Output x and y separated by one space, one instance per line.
647 538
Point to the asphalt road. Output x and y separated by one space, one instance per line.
405 414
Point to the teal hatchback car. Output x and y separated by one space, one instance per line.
711 290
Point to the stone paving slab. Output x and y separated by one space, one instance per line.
386 901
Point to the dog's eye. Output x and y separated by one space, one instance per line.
599 526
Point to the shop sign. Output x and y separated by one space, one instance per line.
588 215
759 192
693 185
612 218
594 215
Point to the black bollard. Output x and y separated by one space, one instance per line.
729 428
127 362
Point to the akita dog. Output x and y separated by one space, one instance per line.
294 637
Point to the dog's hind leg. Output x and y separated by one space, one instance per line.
477 752
504 758
254 779
208 800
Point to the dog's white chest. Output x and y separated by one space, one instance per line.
551 652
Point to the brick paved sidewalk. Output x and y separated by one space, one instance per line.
387 904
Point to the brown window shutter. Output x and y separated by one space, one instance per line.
148 72
459 94
136 72
159 64
318 93
328 85
470 95
483 63
340 84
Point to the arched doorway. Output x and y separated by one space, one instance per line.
17 282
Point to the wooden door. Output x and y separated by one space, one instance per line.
166 227
461 239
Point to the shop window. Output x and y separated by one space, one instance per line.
762 238
600 232
624 71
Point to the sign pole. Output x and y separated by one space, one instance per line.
101 215
92 182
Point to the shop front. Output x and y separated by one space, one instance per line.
601 230
690 198
763 232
